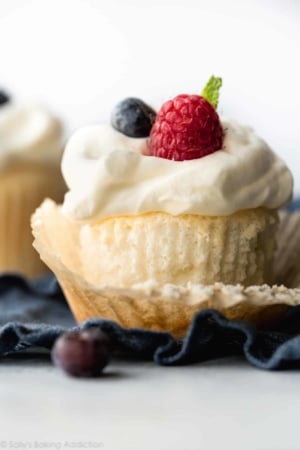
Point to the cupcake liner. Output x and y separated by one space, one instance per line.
148 305
23 187
156 311
287 261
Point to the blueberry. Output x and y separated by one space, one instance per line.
4 98
133 117
82 353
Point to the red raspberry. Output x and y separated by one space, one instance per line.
186 127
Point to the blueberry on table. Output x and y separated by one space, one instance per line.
82 353
4 98
133 117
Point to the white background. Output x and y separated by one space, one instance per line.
82 56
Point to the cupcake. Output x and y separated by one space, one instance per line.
30 153
161 206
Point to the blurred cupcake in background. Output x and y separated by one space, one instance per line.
31 143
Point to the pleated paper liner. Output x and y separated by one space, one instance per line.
287 261
168 308
23 187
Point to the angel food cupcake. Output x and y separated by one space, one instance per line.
182 198
30 154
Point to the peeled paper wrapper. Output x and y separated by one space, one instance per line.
169 307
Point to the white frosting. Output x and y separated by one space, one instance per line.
108 175
29 132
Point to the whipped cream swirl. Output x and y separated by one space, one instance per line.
29 132
109 174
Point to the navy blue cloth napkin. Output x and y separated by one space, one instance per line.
34 314
295 205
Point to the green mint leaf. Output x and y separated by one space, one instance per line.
212 90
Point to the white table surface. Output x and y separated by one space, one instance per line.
217 405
